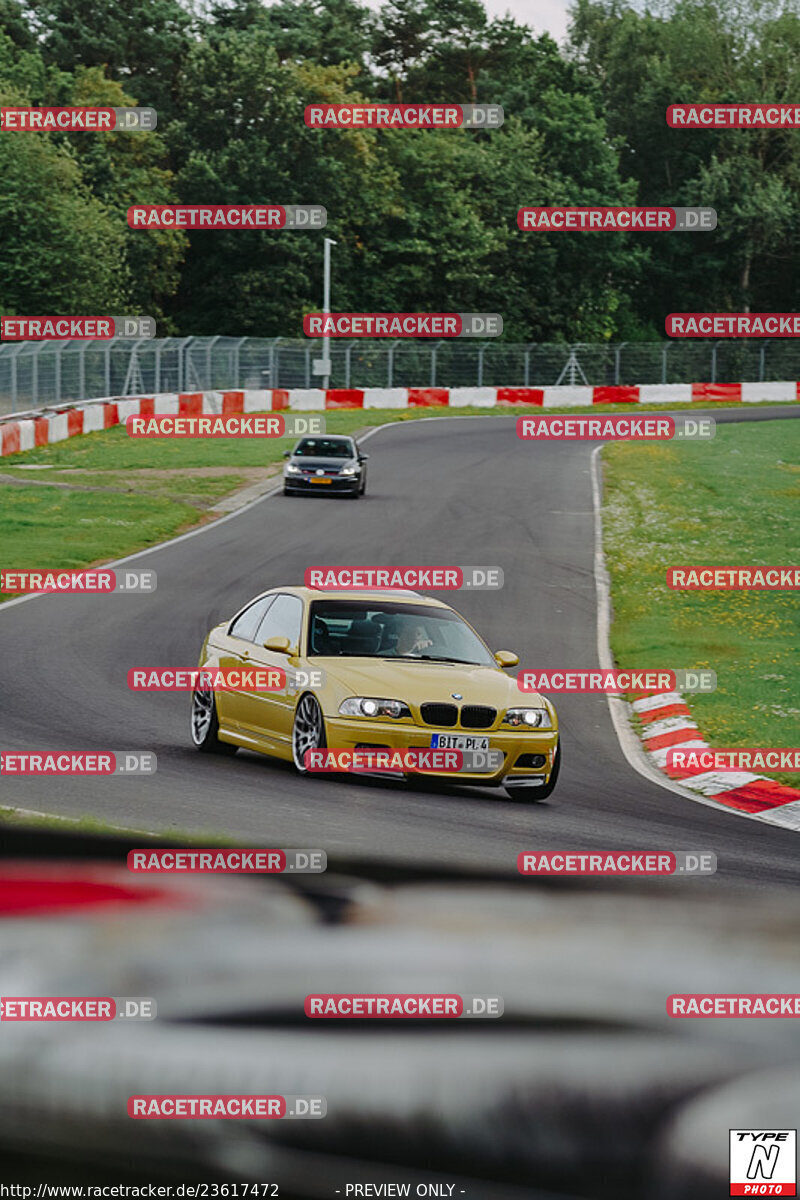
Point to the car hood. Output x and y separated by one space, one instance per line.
416 681
328 464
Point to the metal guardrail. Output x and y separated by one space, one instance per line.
35 374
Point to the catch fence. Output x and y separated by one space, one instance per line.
38 374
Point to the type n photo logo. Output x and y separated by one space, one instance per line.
763 1162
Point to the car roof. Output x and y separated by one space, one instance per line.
398 594
326 437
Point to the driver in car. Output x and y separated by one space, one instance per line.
413 639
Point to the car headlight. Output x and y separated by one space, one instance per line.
369 706
528 718
291 469
351 469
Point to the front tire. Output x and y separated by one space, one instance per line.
308 730
529 795
205 724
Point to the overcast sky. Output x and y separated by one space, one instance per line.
544 16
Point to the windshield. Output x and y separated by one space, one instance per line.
324 448
389 629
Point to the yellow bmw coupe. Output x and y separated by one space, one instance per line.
398 670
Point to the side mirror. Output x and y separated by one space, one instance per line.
363 457
278 645
287 454
506 658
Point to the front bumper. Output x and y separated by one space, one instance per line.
299 483
346 733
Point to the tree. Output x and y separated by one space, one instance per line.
63 252
243 139
701 52
15 26
141 42
326 32
444 50
93 176
401 40
121 168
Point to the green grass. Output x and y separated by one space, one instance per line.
199 489
14 817
24 818
52 528
113 450
49 527
733 500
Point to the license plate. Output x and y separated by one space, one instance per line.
313 479
458 741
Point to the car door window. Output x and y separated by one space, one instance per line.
247 623
284 619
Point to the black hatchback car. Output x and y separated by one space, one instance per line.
328 463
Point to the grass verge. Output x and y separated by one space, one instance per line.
113 450
118 494
25 819
54 528
733 500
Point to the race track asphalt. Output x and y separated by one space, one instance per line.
440 491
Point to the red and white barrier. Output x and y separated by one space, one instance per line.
25 431
667 724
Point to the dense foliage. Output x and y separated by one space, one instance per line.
424 220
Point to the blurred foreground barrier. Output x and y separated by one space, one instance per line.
579 1090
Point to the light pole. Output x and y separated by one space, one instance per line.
326 308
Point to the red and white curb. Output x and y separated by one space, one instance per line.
667 722
25 431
